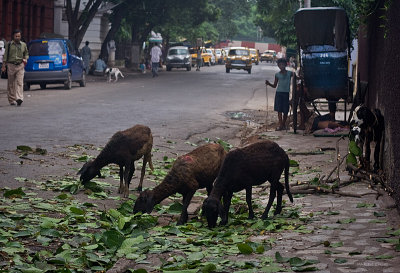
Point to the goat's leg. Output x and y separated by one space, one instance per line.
128 173
272 194
121 179
185 204
148 156
248 201
142 173
227 197
279 191
378 139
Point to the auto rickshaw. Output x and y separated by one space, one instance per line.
323 39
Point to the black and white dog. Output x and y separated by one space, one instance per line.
113 71
368 126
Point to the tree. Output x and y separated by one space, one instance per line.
231 11
78 21
118 15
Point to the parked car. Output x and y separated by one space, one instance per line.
219 55
238 58
268 56
53 61
179 57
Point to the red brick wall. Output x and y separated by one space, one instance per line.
249 44
275 47
31 16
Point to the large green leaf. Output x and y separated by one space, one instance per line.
16 193
112 238
245 248
195 256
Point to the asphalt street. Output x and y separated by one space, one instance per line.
177 104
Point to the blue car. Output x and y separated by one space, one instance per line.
53 61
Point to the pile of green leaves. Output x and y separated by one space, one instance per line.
62 234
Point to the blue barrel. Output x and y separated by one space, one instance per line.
325 72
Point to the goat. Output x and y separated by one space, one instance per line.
123 149
368 126
242 169
195 170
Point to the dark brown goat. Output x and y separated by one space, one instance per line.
242 169
123 149
195 170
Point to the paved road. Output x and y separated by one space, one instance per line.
177 104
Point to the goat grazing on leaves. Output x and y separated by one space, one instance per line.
123 149
368 126
195 170
242 169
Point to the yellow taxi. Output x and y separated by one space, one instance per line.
205 56
255 58
238 58
268 56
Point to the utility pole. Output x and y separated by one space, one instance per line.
307 3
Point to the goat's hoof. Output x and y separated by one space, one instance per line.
277 212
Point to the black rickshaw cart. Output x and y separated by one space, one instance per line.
323 39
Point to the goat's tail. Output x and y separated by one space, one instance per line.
287 181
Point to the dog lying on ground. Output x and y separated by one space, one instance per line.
113 71
368 126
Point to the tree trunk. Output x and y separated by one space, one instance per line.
119 14
138 37
78 22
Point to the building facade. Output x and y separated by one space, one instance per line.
32 17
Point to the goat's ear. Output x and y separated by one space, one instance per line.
149 201
84 168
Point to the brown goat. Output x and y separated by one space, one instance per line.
123 149
195 170
242 169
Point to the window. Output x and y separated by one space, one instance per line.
45 48
239 52
179 51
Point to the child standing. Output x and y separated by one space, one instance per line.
282 80
142 66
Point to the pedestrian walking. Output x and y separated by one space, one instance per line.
282 80
86 54
2 51
198 60
14 60
155 59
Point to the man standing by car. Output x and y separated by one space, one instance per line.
15 58
155 59
86 54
